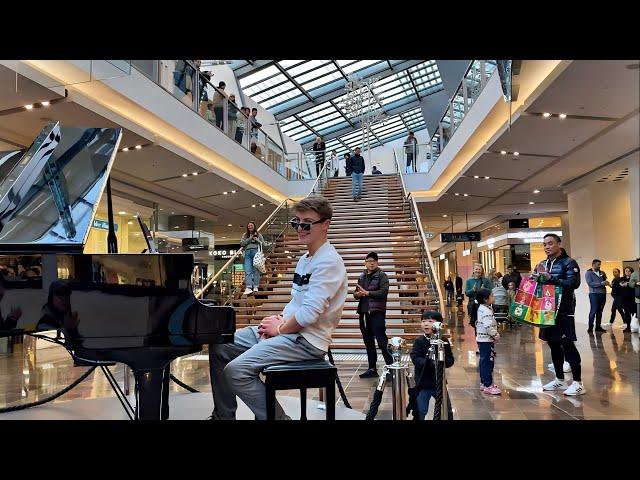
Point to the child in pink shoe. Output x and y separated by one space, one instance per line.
486 336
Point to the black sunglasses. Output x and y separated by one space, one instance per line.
295 223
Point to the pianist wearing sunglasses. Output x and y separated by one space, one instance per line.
301 332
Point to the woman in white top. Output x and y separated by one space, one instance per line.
334 163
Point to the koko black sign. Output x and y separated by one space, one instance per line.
460 237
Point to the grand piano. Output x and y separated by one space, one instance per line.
138 309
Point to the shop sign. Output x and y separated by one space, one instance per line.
460 237
103 225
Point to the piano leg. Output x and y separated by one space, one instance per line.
149 384
165 393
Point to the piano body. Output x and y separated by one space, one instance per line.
138 309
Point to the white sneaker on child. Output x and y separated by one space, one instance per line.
555 384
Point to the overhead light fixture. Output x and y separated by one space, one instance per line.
129 222
262 204
456 194
185 174
562 116
476 176
223 237
161 209
135 216
445 215
173 213
503 152
229 225
487 178
28 107
546 115
254 206
176 226
536 191
125 149
516 153
532 203
225 193
233 191
138 147
122 213
194 173
466 194
45 104
202 220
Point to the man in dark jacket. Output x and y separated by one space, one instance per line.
597 281
371 291
563 271
425 374
513 275
357 170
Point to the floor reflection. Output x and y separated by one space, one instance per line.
610 365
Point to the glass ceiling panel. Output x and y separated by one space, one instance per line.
257 77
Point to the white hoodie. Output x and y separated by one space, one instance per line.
318 294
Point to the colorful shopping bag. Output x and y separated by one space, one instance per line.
536 304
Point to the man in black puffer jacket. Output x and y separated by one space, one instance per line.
425 374
357 171
562 270
371 291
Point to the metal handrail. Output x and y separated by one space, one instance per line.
220 271
416 216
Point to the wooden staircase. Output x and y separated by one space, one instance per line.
378 222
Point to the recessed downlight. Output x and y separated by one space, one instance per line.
225 193
532 203
229 225
456 194
233 191
185 174
125 149
562 116
29 107
466 194
536 191
122 213
487 178
476 176
253 206
546 114
503 152
194 174
138 147
516 153
262 204
45 104
444 216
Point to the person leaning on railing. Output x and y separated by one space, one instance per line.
218 104
232 115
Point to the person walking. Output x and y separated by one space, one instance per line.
357 171
319 148
448 288
347 165
597 281
563 271
251 240
371 292
410 150
628 300
459 294
617 291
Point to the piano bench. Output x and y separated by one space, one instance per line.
301 375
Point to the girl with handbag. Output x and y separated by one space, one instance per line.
252 241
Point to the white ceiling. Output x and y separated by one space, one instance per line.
553 151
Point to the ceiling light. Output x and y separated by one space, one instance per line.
233 191
532 203
184 216
122 213
546 115
536 191
444 216
202 220
254 206
176 226
487 178
466 194
125 149
223 237
137 234
45 104
562 116
161 209
456 194
262 204
129 222
503 152
185 174
173 213
138 147
194 173
28 107
476 176
135 216
225 193
516 153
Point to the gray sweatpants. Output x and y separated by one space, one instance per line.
235 369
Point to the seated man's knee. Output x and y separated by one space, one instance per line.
237 372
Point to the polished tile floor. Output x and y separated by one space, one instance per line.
610 363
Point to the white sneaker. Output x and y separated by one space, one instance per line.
555 384
566 368
247 291
576 388
255 289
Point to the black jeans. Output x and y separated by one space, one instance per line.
319 165
618 306
373 327
561 351
597 301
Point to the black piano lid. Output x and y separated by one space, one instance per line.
48 198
